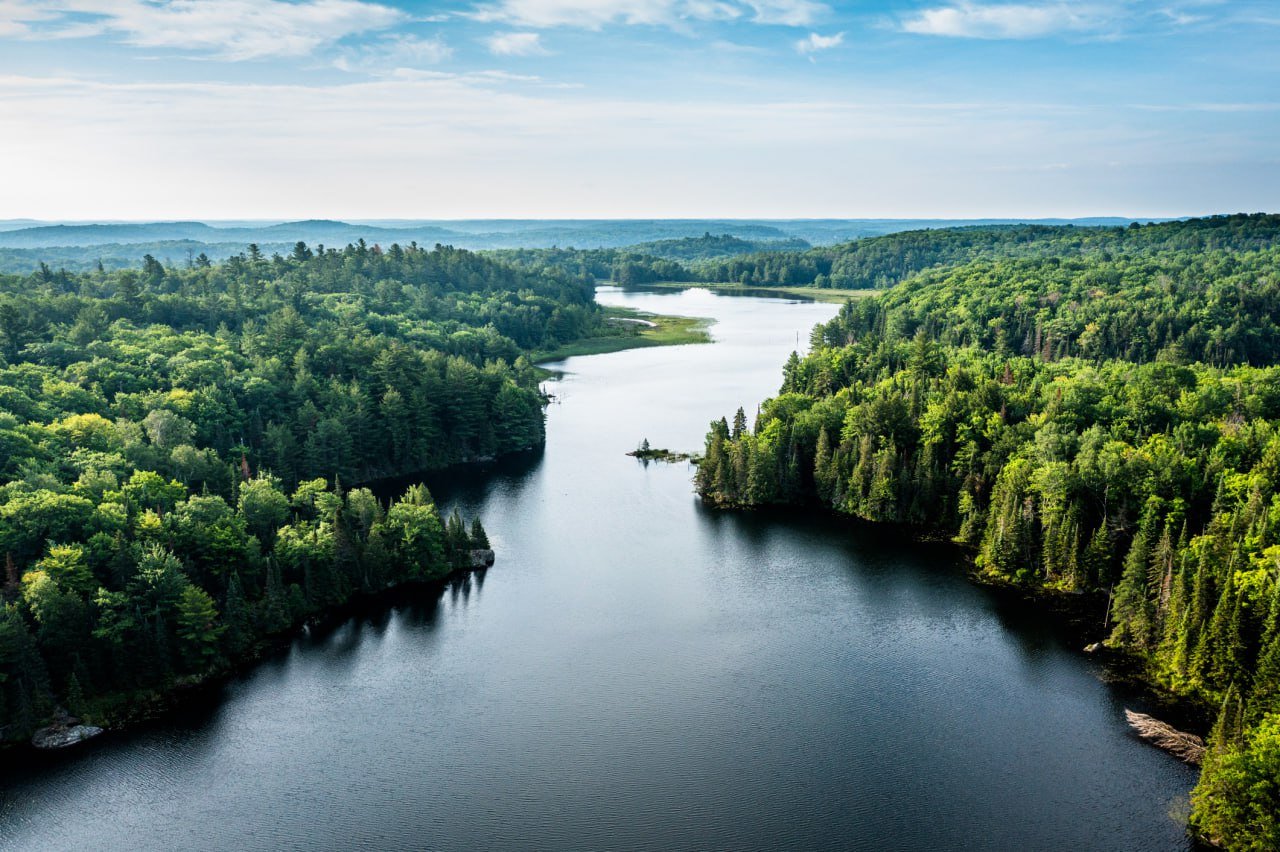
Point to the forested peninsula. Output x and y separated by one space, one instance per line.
179 449
1083 410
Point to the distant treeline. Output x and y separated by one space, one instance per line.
646 263
881 262
1098 413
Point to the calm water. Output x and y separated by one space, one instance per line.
637 672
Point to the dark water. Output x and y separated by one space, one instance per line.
636 672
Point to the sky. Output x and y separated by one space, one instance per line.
219 109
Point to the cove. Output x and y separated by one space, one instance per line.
640 672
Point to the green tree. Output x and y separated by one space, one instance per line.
198 628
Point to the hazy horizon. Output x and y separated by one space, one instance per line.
375 221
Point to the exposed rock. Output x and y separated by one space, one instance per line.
481 558
1187 747
1094 648
60 736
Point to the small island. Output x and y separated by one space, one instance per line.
646 453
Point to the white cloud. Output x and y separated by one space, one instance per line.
591 14
232 29
1012 20
441 145
791 13
516 44
395 52
594 14
17 16
816 42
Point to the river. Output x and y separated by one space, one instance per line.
639 672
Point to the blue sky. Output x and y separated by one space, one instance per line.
132 109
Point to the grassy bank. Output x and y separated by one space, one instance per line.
631 329
814 293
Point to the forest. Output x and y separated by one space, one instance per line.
883 261
1094 414
185 452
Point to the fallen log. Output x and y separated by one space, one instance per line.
1184 746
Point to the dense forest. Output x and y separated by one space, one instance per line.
881 262
709 246
651 262
1102 415
177 445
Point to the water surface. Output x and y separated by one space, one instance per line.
638 672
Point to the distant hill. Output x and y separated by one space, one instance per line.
311 231
707 247
80 245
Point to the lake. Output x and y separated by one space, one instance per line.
637 671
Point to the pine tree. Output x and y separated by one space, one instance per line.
824 469
709 467
457 545
1228 730
1265 697
75 695
739 467
1226 645
275 602
1133 609
882 500
479 539
198 628
236 617
791 374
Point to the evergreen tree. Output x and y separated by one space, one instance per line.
198 628
479 539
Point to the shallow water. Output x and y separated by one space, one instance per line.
638 672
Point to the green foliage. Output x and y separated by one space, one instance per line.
1098 414
415 537
881 262
710 246
479 538
168 438
1237 802
197 627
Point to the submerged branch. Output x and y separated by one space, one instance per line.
1186 747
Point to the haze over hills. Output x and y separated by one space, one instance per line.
24 243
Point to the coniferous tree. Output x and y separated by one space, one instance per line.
479 539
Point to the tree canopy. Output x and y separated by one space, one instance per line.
176 445
1082 420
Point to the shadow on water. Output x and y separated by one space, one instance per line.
194 716
464 483
889 560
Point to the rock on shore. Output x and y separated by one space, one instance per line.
62 736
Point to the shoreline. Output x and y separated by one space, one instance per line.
635 330
167 702
1073 613
124 713
127 712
